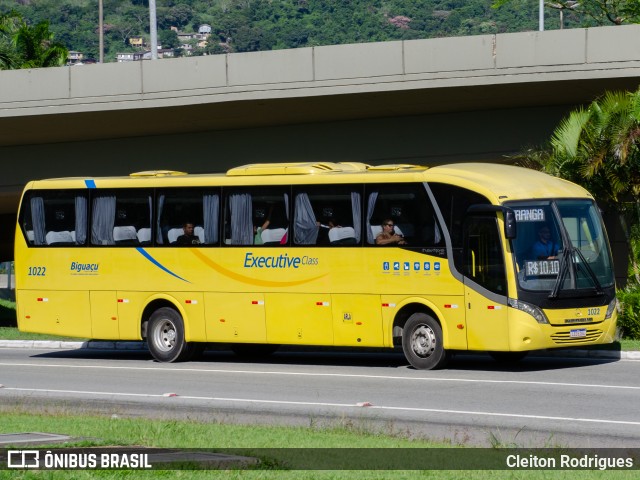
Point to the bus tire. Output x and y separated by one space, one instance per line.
165 336
422 343
508 357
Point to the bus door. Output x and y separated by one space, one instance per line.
485 284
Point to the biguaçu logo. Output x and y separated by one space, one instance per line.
78 268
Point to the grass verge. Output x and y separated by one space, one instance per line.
101 431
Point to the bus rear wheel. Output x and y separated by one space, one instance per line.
165 336
422 342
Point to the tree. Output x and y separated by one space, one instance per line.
8 54
599 148
25 46
603 12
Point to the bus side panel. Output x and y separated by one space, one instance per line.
104 315
299 318
357 320
193 308
235 317
189 304
487 323
130 308
55 312
448 310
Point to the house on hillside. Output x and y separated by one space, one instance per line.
74 57
137 42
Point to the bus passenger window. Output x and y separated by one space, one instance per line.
327 215
407 208
257 217
56 218
118 215
195 206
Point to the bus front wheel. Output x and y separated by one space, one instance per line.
165 336
422 342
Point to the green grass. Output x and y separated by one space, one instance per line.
96 431
12 333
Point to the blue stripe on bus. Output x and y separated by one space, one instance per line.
146 255
90 183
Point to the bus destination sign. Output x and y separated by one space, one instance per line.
529 214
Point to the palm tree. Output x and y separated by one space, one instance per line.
8 55
24 46
598 147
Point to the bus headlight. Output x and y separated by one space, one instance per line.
612 306
532 310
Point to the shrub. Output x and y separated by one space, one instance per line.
629 314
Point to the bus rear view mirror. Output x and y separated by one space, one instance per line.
510 230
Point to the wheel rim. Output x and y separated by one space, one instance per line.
423 341
164 335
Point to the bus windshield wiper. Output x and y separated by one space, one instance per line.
564 269
590 272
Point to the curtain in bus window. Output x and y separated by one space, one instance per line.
145 238
241 224
356 210
210 206
373 196
104 217
158 229
306 228
81 220
37 217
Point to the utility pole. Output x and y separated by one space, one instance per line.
153 29
101 30
541 16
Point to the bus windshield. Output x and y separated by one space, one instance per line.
561 245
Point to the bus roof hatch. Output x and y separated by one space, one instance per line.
157 173
297 168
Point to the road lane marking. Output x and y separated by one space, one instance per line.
335 375
325 404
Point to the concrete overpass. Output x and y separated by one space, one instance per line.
424 101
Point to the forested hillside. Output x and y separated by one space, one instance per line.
251 25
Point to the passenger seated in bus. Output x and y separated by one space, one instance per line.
389 236
188 237
257 232
545 248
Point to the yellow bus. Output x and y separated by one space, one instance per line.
478 257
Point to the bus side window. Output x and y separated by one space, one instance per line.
118 215
328 215
410 209
56 218
177 206
453 203
257 216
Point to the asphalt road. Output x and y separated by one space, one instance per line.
540 402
